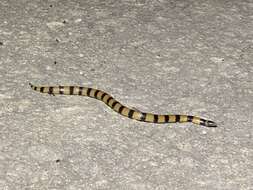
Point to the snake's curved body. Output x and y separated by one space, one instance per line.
120 108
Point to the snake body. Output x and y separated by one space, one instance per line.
120 108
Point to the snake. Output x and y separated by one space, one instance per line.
120 108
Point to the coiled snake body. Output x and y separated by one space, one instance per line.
120 108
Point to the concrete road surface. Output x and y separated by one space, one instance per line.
166 57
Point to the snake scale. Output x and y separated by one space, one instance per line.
120 108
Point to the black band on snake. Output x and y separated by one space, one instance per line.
120 108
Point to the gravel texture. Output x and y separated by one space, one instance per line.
179 57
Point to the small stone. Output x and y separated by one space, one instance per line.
78 20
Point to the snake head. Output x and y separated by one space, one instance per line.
209 123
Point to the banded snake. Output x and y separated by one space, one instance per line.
120 108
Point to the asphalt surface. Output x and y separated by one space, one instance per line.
177 57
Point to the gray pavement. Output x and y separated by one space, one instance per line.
178 57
